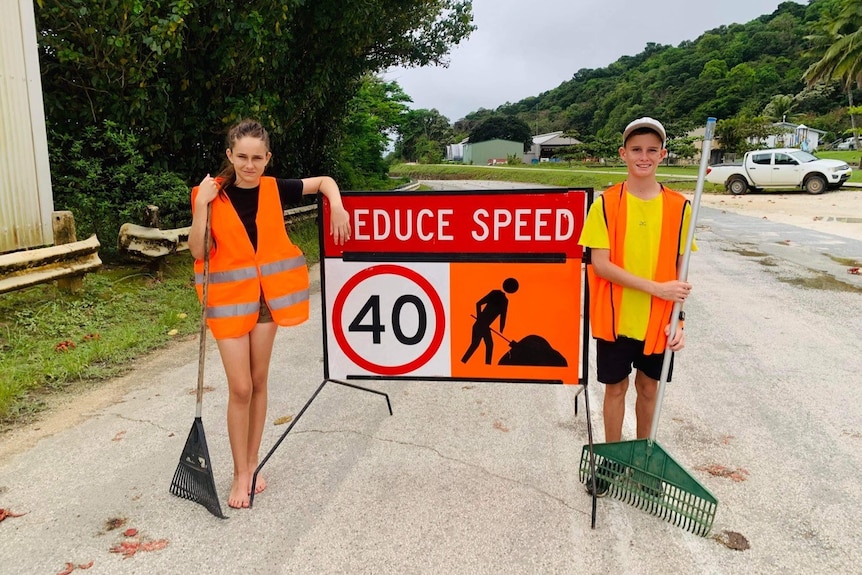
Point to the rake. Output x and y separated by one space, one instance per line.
641 472
193 479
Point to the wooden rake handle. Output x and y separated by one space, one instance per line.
203 332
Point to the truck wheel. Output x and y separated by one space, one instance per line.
736 185
815 184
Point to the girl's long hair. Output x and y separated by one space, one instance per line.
252 128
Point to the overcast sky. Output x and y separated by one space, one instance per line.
522 48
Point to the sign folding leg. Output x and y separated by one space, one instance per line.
298 416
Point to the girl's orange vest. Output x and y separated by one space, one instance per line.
237 273
606 297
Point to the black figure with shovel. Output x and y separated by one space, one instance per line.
488 309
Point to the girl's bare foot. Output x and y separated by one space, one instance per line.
259 485
238 497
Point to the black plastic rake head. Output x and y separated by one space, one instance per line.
193 479
644 475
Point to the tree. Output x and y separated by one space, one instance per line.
839 38
779 107
372 115
742 133
682 147
503 127
179 72
420 132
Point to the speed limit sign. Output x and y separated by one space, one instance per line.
388 319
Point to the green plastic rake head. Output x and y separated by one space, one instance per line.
643 474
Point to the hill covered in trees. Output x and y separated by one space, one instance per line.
748 70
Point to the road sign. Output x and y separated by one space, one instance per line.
461 285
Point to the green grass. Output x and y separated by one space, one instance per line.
594 176
557 175
852 157
121 313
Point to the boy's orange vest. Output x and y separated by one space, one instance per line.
237 273
606 297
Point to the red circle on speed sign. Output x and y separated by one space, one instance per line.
424 284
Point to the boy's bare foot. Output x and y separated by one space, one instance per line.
238 497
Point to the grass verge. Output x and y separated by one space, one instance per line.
52 341
598 178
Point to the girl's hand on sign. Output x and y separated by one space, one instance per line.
339 224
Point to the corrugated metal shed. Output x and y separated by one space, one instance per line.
26 201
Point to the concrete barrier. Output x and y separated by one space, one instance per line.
30 267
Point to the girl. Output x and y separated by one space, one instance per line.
258 280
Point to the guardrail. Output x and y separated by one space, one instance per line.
152 245
66 262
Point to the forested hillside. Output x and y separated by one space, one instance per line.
752 69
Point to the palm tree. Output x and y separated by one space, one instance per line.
842 58
779 108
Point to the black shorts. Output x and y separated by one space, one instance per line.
614 360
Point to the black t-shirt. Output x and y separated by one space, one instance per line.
245 201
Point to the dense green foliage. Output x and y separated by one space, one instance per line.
500 126
100 175
837 39
422 135
374 113
177 73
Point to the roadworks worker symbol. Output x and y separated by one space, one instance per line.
515 320
532 350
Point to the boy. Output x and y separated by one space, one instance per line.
636 234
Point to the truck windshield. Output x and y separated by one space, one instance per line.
803 157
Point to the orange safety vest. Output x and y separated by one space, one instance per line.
606 298
237 273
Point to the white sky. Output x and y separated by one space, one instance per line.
522 48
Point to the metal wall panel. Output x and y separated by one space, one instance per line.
26 201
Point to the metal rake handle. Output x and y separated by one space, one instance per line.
683 272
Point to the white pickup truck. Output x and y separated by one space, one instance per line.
781 168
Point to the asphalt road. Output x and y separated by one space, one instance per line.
476 477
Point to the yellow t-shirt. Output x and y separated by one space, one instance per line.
640 256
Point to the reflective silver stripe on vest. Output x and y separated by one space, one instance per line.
232 310
228 276
288 300
282 265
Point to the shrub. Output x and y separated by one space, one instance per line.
100 176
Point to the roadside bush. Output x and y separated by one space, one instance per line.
99 175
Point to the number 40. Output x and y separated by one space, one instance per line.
372 306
